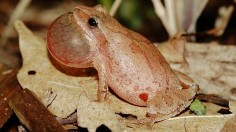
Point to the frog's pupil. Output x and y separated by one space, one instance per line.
92 22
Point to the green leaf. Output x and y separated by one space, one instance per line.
198 107
106 3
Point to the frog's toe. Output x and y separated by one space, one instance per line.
194 87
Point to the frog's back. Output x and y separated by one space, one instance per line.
137 70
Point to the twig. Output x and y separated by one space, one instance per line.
115 6
223 19
8 87
71 119
32 113
199 6
171 16
161 12
20 8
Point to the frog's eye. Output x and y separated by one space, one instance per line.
92 22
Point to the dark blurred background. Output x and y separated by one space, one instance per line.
137 15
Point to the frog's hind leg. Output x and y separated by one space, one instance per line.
168 103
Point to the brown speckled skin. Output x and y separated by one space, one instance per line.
126 61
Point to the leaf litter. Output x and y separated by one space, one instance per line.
65 93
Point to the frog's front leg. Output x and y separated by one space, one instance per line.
102 93
171 102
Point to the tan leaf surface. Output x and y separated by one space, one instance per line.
230 125
232 106
211 123
211 66
93 114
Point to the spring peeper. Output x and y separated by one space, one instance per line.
126 61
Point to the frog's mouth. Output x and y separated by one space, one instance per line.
67 42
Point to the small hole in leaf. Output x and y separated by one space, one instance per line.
32 72
224 111
127 116
103 128
233 91
82 129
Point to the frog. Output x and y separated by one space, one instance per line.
127 63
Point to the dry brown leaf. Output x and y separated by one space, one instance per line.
8 87
32 113
211 66
94 114
232 106
230 125
211 123
175 46
63 94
